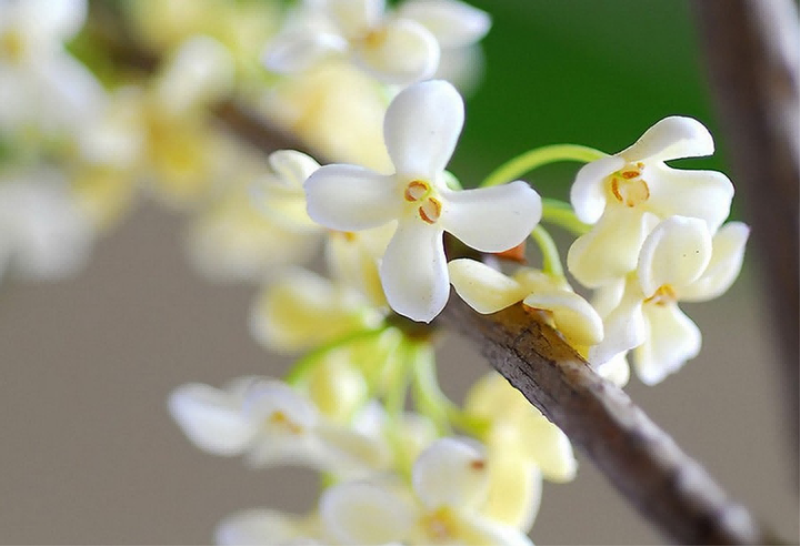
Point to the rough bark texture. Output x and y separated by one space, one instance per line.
753 53
670 489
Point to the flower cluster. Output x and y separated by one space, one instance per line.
372 89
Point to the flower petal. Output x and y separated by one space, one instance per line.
277 406
617 370
673 339
402 52
724 267
212 419
451 473
698 194
492 219
611 250
574 317
515 490
292 167
351 198
484 289
675 254
364 513
356 17
303 310
453 23
671 138
258 526
298 51
588 194
625 327
414 271
422 127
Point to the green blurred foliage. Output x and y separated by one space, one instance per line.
583 72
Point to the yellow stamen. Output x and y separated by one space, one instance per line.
430 210
440 525
12 46
416 191
280 420
628 187
663 296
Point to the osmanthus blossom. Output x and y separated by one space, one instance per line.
44 234
399 48
260 526
44 91
271 423
449 485
627 194
515 426
421 128
258 225
487 291
681 260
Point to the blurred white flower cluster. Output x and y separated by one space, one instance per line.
101 108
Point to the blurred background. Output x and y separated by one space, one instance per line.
89 454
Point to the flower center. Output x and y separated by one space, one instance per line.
663 296
628 187
12 46
429 208
440 525
278 419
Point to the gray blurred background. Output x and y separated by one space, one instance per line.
90 456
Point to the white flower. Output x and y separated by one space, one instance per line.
487 291
628 193
42 87
450 480
272 424
421 129
262 526
680 261
43 233
397 49
518 427
302 310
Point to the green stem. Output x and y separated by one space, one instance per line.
522 164
428 396
550 257
561 214
304 365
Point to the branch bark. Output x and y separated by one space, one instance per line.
753 58
639 459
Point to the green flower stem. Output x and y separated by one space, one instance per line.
551 258
304 365
561 214
522 164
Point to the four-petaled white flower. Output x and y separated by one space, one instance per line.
398 49
680 261
421 129
627 194
272 424
450 482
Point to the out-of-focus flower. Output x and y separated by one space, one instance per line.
421 129
515 426
43 233
627 194
44 92
257 527
680 261
450 484
317 104
272 424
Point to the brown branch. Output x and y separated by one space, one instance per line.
643 462
753 59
